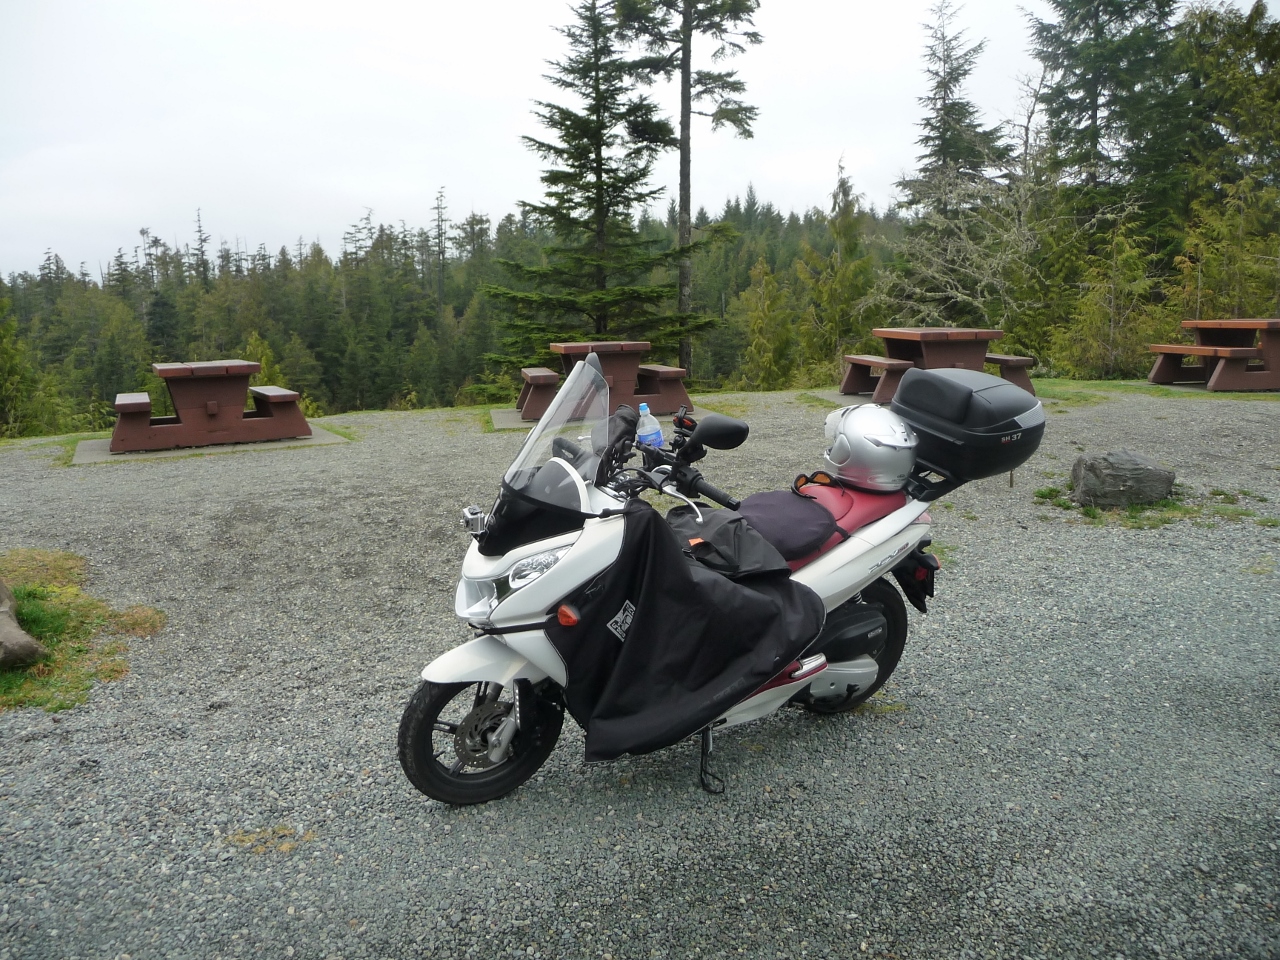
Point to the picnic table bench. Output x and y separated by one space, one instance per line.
1227 355
209 408
630 381
929 348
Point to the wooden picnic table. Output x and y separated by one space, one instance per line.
630 381
929 348
209 408
1227 355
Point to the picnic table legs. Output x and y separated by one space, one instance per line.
1168 369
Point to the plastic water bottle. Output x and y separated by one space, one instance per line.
648 430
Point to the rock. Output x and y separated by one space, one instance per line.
17 649
1119 479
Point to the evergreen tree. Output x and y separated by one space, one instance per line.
667 28
948 264
1112 86
956 145
592 282
17 378
770 319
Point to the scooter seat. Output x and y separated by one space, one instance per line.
852 509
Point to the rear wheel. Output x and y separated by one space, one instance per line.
449 732
885 597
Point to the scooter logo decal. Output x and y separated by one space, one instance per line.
621 623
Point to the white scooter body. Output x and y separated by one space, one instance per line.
502 657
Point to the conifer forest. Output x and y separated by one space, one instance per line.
1140 187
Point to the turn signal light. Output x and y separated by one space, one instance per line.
567 616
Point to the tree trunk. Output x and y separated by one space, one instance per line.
684 230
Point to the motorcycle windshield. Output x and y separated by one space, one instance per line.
559 458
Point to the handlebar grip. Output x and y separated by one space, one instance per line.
715 493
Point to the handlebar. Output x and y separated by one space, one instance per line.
687 479
699 485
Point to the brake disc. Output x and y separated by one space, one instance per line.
471 740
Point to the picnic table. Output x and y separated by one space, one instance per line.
929 348
1227 355
630 381
209 408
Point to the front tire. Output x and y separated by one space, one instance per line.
882 594
447 730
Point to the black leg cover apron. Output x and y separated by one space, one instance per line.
666 644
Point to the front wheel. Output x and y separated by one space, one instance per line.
883 595
449 732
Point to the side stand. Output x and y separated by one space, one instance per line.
710 782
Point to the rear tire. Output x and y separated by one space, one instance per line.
446 730
883 595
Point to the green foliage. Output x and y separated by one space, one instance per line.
82 634
17 378
1140 187
595 281
1115 320
771 354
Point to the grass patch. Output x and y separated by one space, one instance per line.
1088 392
50 568
1059 395
345 432
66 446
729 408
943 551
813 400
1231 513
1217 506
1263 567
84 636
281 838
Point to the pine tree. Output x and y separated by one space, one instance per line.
1110 93
770 318
17 377
593 280
667 28
957 148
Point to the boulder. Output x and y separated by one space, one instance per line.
17 649
1119 479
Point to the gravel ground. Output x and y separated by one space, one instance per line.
1077 757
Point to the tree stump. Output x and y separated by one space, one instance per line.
1119 479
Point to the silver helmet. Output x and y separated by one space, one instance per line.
870 447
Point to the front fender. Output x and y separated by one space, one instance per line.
485 659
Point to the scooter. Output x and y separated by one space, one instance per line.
649 630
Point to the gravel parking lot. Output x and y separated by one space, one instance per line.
1077 758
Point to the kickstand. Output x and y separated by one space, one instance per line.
710 782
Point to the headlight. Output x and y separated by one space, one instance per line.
531 568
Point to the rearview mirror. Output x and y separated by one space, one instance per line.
719 432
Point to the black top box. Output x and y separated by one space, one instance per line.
970 425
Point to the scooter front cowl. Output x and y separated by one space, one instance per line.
484 659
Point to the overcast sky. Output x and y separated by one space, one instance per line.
282 119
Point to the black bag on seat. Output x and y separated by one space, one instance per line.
795 524
725 542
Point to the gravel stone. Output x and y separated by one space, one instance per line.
1077 756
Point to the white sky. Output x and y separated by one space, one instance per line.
288 118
